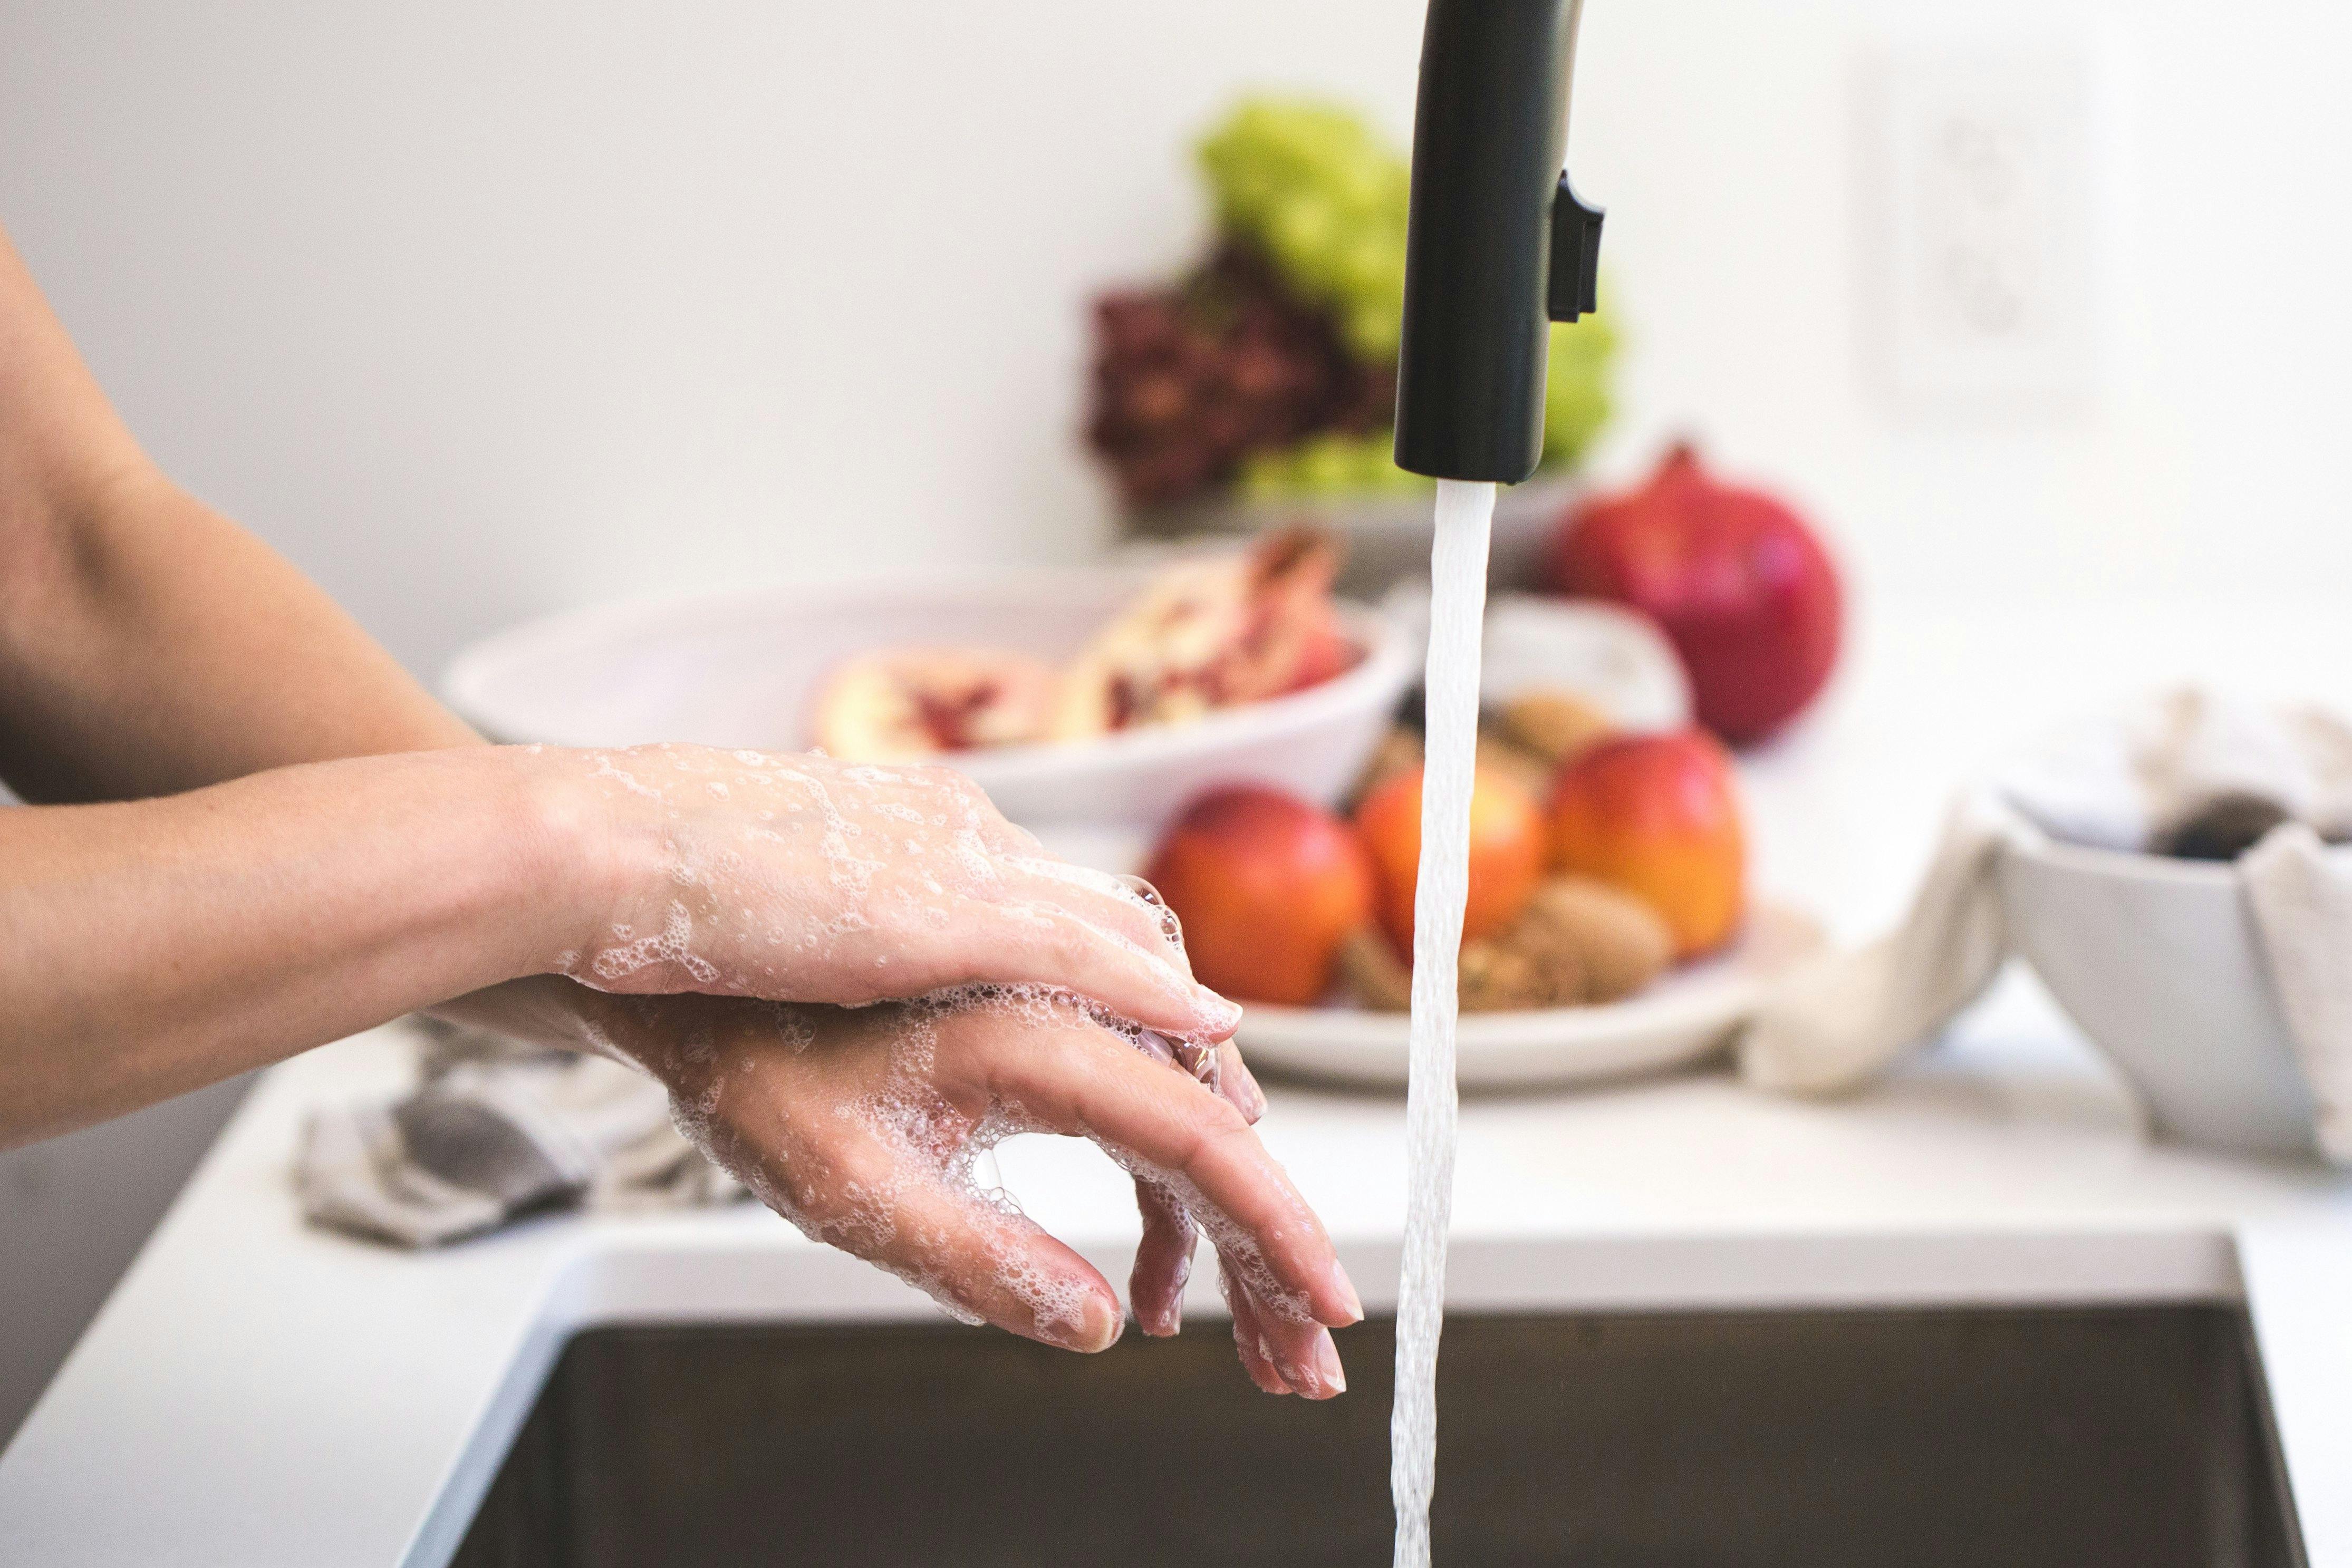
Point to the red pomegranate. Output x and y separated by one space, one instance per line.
1737 580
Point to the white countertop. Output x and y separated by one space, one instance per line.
259 1393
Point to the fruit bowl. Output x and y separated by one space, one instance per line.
741 670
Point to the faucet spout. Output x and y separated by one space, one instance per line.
1498 246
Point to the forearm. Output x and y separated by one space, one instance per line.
148 947
150 647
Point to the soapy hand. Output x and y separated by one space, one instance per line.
861 1127
795 877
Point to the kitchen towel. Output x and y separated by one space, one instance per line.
495 1130
2117 783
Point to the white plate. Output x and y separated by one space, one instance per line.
1680 1018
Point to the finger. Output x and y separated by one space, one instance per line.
889 1205
1238 1084
1302 1353
1163 1261
1217 1065
1007 1271
1127 905
1081 1079
1033 942
1249 1338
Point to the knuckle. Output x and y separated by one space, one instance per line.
1211 1127
1073 944
955 782
824 1184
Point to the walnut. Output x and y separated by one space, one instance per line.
1503 758
1553 725
1506 973
1578 941
1618 943
1373 973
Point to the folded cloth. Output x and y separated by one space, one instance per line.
495 1130
1843 1018
2302 897
1846 1016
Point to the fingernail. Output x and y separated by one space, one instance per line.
1253 1097
1345 1288
1327 1363
1097 1329
1219 1014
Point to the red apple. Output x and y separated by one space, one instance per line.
1267 887
1737 580
1657 816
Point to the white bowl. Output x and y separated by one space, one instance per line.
2158 961
740 670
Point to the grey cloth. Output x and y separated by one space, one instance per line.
496 1129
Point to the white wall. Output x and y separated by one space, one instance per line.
481 308
1723 134
477 310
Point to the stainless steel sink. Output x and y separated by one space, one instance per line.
2071 1437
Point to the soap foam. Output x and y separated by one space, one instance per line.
672 945
894 849
778 867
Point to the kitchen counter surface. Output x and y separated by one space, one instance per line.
264 1394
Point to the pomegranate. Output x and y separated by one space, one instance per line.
1210 633
909 703
1737 581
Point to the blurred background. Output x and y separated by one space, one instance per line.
483 310
479 310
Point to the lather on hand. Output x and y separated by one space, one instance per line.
860 1125
798 878
253 834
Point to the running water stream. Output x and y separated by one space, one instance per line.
1458 609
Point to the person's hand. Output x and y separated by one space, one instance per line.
798 878
861 1127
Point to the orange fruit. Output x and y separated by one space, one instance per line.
1507 852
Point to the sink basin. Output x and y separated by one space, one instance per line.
2073 1436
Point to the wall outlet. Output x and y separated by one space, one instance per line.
1984 189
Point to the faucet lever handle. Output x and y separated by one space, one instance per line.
1574 285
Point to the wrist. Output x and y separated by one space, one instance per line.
551 1010
670 1037
581 851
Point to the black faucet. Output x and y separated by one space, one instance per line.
1499 245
